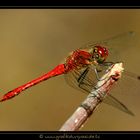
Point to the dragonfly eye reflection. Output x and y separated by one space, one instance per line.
100 54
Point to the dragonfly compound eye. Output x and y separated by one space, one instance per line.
97 56
100 53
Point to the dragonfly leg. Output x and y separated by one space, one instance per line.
108 63
97 76
82 76
81 79
97 71
84 85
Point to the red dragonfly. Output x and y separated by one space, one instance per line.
78 70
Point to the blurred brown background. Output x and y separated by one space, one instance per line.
35 41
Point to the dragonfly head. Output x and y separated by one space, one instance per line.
100 54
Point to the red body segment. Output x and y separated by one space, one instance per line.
102 51
78 59
60 69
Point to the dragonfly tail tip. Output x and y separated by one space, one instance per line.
2 99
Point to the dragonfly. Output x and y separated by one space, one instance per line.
82 68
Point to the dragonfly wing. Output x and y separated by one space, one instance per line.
111 100
88 84
119 38
116 39
85 79
115 44
119 44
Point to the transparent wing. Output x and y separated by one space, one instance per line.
115 44
128 89
85 80
111 100
118 39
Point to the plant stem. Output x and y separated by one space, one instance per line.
84 111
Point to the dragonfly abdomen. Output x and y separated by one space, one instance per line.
58 70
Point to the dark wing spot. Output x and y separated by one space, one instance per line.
138 77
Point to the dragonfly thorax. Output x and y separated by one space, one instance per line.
83 57
78 59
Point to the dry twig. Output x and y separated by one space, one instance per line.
84 111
